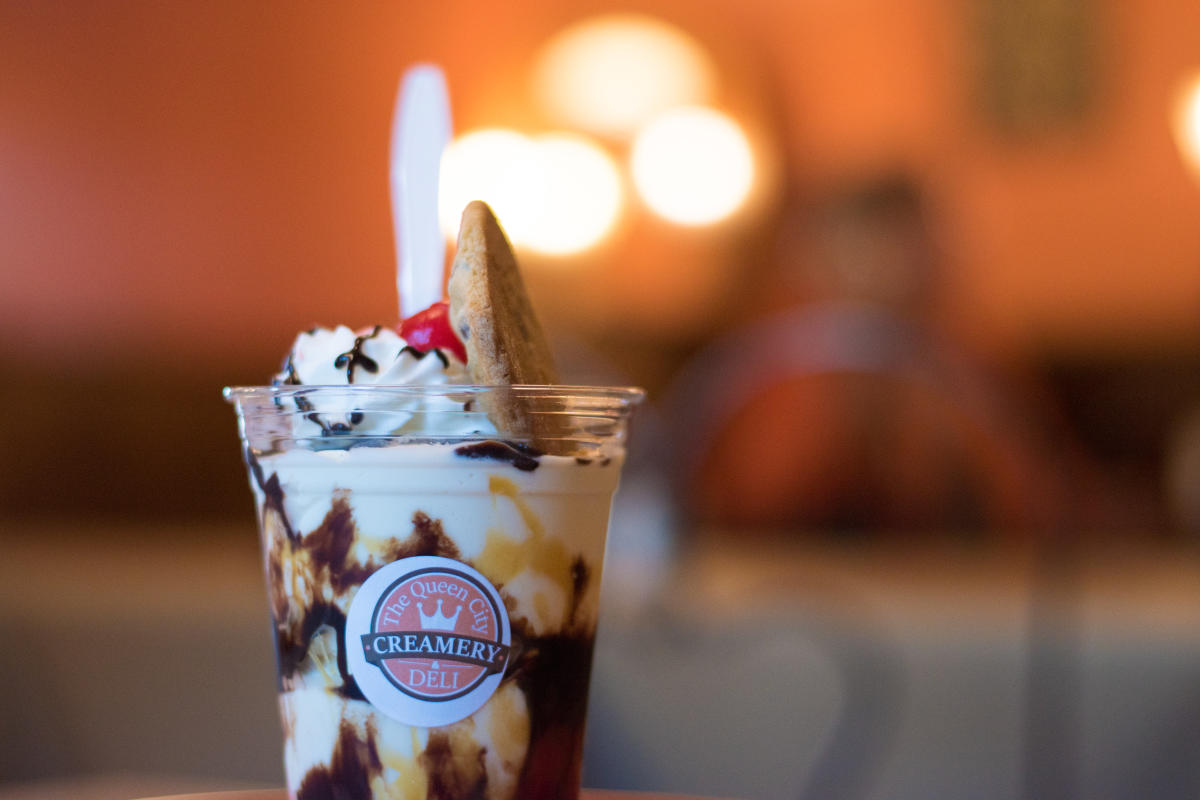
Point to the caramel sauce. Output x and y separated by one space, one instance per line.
551 672
503 558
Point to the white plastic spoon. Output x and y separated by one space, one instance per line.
420 132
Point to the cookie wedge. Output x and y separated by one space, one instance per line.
490 311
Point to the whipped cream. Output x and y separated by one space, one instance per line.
374 356
379 355
355 463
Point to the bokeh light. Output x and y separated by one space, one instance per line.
490 165
608 75
1187 123
581 195
693 166
556 194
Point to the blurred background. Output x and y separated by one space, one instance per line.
914 287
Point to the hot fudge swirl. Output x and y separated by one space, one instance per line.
532 524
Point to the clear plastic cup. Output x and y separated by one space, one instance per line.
433 580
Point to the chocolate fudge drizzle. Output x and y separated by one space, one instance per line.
580 576
427 539
348 776
330 542
447 780
522 456
355 357
272 491
552 671
304 405
349 361
583 461
420 354
327 546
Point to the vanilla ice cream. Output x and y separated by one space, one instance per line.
356 474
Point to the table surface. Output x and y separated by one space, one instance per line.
125 786
942 643
279 794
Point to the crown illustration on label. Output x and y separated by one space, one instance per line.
437 621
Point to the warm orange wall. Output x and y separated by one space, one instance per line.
1096 241
1087 238
171 171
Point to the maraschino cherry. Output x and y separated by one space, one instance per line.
430 328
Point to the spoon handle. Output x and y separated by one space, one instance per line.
420 132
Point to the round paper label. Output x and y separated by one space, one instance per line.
427 640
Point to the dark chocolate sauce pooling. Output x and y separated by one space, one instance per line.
521 456
553 672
